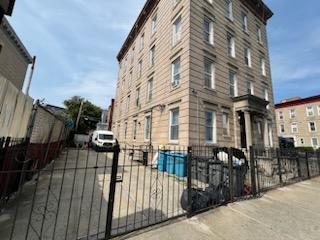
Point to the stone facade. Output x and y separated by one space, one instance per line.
299 119
191 100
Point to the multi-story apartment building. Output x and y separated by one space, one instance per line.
299 119
196 72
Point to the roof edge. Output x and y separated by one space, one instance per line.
6 26
297 102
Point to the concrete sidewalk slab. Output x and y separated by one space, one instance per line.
288 213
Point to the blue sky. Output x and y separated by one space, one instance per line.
76 44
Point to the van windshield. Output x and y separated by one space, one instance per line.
105 137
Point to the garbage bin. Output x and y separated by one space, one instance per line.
170 162
180 164
162 162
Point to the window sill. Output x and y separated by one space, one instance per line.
230 19
171 142
177 44
213 90
174 88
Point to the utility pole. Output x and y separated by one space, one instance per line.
79 115
31 75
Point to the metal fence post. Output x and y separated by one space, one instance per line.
231 174
298 163
113 182
189 182
318 159
253 172
307 163
279 165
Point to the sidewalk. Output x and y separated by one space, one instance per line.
288 213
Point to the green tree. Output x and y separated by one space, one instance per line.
90 114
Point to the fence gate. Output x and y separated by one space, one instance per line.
146 190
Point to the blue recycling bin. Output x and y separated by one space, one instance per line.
171 162
180 164
162 161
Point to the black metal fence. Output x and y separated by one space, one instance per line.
84 194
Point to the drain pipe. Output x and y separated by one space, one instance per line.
31 75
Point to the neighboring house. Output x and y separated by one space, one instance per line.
14 57
299 118
196 72
110 115
15 107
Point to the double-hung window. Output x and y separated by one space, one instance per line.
282 128
233 84
176 31
176 72
310 112
231 45
174 125
292 113
250 89
149 89
147 128
315 142
259 34
154 23
140 69
208 31
210 127
229 9
225 124
209 73
312 127
247 56
134 130
244 22
152 54
281 116
138 97
294 127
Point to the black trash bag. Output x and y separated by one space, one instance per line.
218 194
200 200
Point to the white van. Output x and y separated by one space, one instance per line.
102 140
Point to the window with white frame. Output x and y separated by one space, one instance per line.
310 112
244 19
294 127
259 34
231 45
263 66
134 130
176 72
152 54
281 115
225 124
154 23
142 41
210 127
147 128
312 127
174 125
315 142
292 113
250 88
233 84
209 73
247 56
319 110
270 135
229 9
266 96
138 97
176 31
140 69
282 128
149 89
208 31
